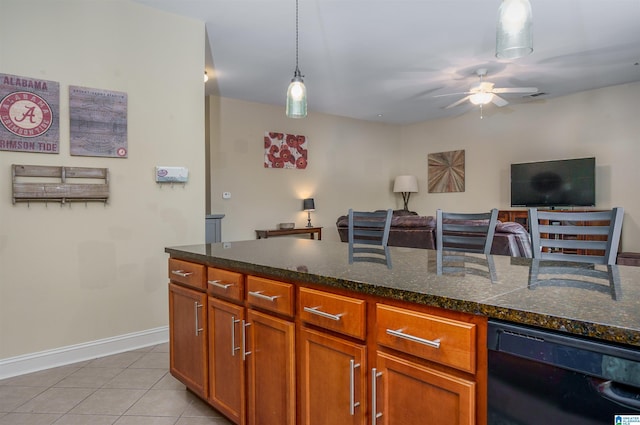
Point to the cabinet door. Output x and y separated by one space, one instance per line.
226 365
188 338
410 393
270 370
333 380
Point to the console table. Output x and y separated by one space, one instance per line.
311 231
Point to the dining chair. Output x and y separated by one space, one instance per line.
579 236
368 236
460 233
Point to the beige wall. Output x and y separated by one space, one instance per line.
353 163
601 123
80 273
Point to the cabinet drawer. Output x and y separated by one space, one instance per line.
439 339
270 295
334 312
188 273
226 284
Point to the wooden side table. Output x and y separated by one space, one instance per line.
311 231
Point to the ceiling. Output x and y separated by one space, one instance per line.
384 60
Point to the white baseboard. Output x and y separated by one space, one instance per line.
33 362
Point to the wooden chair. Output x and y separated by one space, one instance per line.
368 236
585 236
465 233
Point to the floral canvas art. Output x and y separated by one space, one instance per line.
283 150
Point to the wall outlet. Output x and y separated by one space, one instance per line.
226 195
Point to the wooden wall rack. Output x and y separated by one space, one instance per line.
59 184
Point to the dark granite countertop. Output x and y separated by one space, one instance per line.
598 310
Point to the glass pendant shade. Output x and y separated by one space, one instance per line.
296 97
514 35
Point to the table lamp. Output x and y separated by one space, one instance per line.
308 205
406 185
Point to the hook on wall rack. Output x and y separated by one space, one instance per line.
46 183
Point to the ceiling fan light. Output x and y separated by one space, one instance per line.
481 98
514 34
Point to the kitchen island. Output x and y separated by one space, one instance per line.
283 287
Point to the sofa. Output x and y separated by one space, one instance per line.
411 230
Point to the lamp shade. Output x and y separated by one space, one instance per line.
514 34
308 204
405 184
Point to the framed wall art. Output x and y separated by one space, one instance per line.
446 172
98 122
29 114
283 150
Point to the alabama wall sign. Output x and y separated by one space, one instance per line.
29 114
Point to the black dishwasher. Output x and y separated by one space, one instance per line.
546 378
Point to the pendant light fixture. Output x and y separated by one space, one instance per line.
297 92
514 35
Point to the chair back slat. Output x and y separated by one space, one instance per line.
585 236
459 230
465 233
372 230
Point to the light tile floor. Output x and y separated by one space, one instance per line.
132 388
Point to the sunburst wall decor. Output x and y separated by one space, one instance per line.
446 172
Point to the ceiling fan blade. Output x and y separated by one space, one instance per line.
464 99
515 90
498 101
451 94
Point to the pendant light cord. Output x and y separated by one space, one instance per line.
297 72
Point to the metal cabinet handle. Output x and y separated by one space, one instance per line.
196 306
314 310
181 273
352 387
374 396
431 343
233 336
259 294
245 353
217 284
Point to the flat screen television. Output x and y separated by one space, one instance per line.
562 183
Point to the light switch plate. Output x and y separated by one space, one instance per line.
172 174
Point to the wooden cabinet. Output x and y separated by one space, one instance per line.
188 338
333 380
251 353
226 359
333 368
271 384
266 352
406 392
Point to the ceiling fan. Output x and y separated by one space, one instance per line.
485 92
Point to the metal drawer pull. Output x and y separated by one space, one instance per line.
217 284
245 353
374 396
259 294
233 336
181 273
352 387
196 306
314 310
435 343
